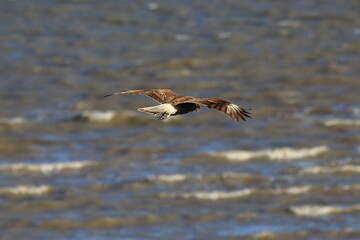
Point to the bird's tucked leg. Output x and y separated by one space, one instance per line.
164 116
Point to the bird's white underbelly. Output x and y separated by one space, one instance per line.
168 108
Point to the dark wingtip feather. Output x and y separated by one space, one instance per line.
242 117
111 94
245 112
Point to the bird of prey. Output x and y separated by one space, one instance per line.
173 104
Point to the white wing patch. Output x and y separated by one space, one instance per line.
232 108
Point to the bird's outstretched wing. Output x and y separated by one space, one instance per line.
228 108
159 95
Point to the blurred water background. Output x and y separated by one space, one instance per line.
74 165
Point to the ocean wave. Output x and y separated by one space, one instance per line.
298 190
277 154
320 210
295 190
170 178
222 195
98 116
25 190
327 170
44 168
341 122
13 120
213 195
105 117
173 178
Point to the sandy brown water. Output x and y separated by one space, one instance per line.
75 165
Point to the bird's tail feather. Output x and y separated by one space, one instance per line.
152 110
158 109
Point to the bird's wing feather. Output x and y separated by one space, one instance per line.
228 108
159 95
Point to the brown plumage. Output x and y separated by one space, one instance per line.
174 104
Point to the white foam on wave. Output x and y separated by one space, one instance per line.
341 122
298 190
295 190
278 154
99 116
172 178
212 195
26 190
327 170
44 168
13 120
320 210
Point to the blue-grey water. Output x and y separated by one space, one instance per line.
75 165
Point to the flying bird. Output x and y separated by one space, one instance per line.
172 104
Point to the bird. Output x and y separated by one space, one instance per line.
172 104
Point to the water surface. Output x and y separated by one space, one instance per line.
74 165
